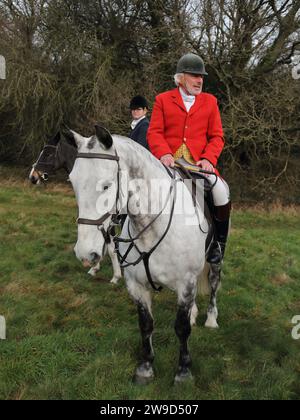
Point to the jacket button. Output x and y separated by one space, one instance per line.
184 139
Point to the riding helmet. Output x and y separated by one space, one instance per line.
191 63
138 102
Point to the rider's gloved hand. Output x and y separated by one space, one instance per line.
168 160
206 165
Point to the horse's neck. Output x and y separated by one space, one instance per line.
149 184
138 162
66 156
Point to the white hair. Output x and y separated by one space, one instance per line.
177 78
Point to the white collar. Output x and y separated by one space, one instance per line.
188 100
135 122
186 97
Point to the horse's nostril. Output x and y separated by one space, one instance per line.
94 257
33 180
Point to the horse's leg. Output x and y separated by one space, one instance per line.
142 297
214 280
186 304
94 270
194 315
115 263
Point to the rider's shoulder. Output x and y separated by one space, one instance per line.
165 95
209 97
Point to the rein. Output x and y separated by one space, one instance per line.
43 165
145 256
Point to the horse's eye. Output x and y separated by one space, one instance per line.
106 188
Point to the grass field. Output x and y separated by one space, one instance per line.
73 337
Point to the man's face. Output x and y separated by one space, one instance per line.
193 83
138 113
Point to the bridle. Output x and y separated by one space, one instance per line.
144 256
114 211
43 166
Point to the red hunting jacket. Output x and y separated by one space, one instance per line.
200 129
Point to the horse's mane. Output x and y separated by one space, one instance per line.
135 149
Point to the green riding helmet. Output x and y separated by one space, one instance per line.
191 63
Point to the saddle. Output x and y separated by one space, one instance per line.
187 170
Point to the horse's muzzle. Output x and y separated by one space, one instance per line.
35 177
92 261
86 264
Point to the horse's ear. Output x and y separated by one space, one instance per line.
70 137
55 140
104 136
57 137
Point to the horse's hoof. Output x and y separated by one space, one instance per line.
143 376
183 377
211 323
142 380
92 272
114 280
211 326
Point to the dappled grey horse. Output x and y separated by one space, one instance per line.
60 153
159 247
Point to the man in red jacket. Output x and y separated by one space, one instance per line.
186 123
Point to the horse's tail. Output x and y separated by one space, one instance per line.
203 285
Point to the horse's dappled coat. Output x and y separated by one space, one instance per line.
174 264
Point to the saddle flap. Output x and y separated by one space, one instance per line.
193 172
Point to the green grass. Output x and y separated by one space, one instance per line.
73 337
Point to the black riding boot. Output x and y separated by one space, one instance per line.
221 222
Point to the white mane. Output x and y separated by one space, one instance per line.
124 145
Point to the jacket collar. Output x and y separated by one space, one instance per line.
134 123
177 99
139 123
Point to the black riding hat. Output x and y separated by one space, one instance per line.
138 102
191 63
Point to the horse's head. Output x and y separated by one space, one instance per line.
47 161
95 181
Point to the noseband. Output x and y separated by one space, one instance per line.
43 165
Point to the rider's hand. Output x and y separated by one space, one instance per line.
206 165
167 160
